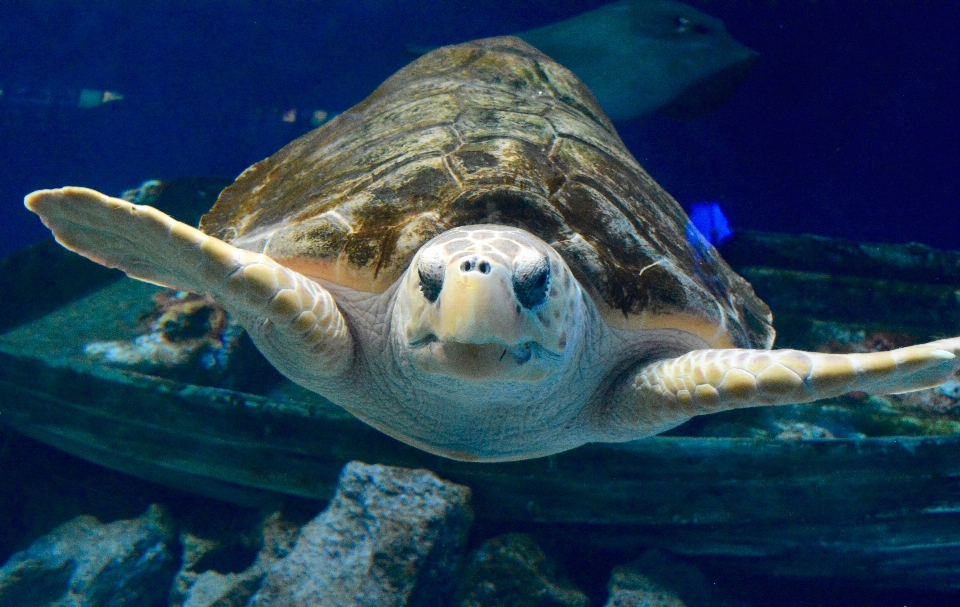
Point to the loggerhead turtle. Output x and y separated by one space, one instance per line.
472 262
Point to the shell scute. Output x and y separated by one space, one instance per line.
508 206
489 132
401 119
379 157
477 124
504 162
524 78
573 93
568 125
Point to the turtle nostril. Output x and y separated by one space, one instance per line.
469 265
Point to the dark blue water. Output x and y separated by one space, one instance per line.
847 126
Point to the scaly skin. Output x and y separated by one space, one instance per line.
286 313
670 391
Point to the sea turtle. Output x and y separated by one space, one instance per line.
472 262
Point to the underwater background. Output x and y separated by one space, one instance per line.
847 126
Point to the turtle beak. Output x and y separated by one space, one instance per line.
477 306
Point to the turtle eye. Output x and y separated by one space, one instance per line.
431 277
531 281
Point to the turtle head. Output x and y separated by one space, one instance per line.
489 302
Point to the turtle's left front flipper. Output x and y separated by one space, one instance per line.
668 392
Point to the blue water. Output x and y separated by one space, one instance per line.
847 126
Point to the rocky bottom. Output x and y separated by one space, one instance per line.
389 537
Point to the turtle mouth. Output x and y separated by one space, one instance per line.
480 361
520 353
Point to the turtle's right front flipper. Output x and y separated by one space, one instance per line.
668 392
294 321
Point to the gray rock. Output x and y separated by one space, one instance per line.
511 570
198 587
85 563
658 580
391 537
631 588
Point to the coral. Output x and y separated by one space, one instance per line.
186 337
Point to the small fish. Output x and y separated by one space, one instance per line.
23 103
53 97
708 222
91 98
639 57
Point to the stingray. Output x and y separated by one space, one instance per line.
640 57
645 56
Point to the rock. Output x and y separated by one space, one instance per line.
657 580
85 563
631 588
184 336
211 588
390 537
201 583
802 431
512 570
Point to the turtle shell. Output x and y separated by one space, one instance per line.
488 132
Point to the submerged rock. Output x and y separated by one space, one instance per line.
512 570
658 580
201 585
85 563
390 537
